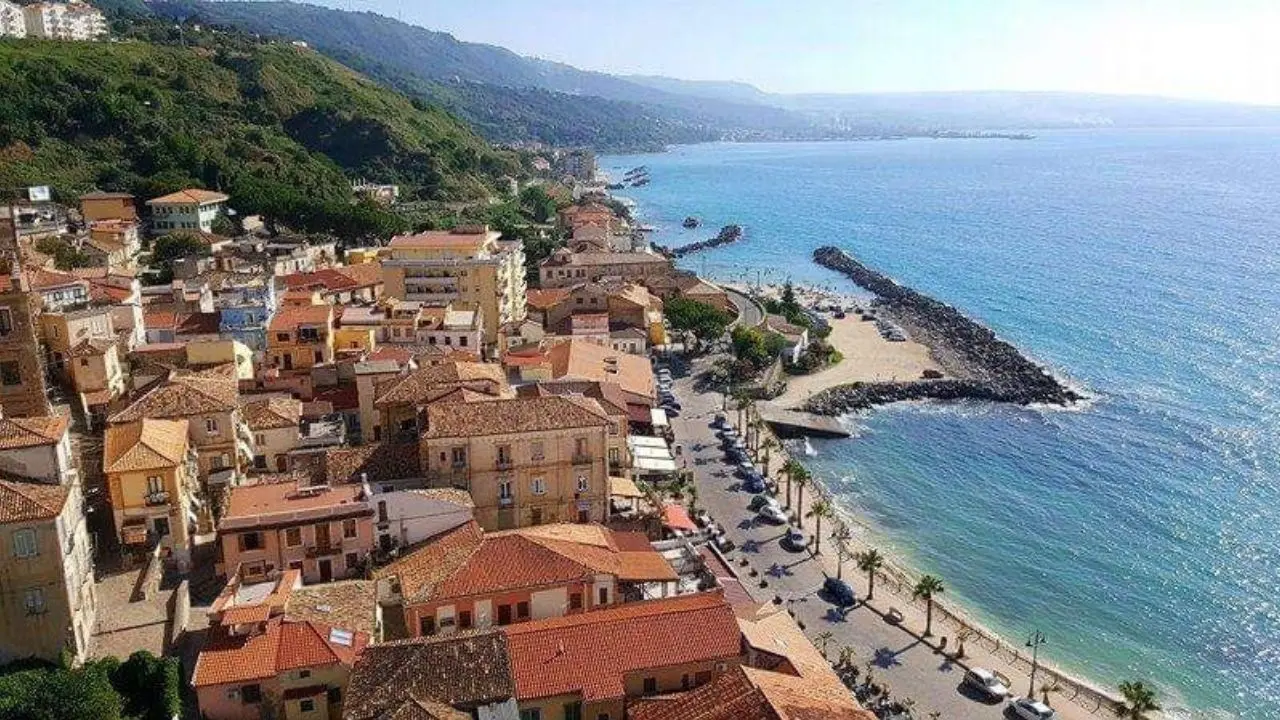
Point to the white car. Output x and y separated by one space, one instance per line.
1032 709
772 512
986 683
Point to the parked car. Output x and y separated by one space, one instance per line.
753 484
671 403
746 469
986 683
773 513
720 420
794 540
1031 709
758 502
840 592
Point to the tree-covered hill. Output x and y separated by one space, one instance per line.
273 124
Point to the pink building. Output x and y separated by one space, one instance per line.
323 531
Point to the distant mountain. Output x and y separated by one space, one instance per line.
729 91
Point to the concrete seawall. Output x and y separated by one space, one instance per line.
983 366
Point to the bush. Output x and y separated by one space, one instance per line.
60 694
704 321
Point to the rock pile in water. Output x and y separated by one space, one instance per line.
728 234
988 367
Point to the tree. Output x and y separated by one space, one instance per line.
801 478
789 294
822 508
536 203
870 562
767 447
175 246
149 685
842 537
222 225
927 587
1139 701
825 637
704 321
60 694
749 346
791 467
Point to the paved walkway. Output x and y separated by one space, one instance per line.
896 655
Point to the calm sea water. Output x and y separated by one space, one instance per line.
1141 533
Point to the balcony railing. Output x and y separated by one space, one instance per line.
160 497
503 464
582 459
334 547
506 502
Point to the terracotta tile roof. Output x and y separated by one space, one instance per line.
441 239
190 195
423 384
506 563
30 501
734 592
92 347
728 697
362 275
545 299
591 653
159 319
279 646
432 674
797 698
377 461
289 318
198 323
99 195
144 444
246 614
580 360
31 432
42 279
255 505
271 412
327 278
349 604
434 560
400 355
588 259
183 395
609 395
341 397
502 417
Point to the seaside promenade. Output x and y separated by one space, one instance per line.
896 654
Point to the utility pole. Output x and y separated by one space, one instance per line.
1034 642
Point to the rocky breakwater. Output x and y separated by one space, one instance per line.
981 365
728 234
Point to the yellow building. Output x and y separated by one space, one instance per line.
468 267
46 577
151 470
97 206
301 337
360 256
525 461
355 337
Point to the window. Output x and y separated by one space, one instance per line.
459 457
251 694
282 337
535 516
531 714
260 439
293 537
154 484
307 705
250 541
382 510
6 322
33 600
427 625
504 455
304 674
9 373
504 614
650 686
575 601
260 462
24 543
319 356
684 681
573 710
539 486
335 695
582 483
84 362
604 596
462 341
348 528
352 560
536 450
580 447
504 490
210 425
464 619
522 610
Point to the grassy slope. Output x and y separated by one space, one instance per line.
149 118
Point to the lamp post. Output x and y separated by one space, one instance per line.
1034 642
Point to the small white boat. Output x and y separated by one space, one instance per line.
808 448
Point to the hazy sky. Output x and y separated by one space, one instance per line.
1206 49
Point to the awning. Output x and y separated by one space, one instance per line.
646 441
659 417
677 518
623 487
654 465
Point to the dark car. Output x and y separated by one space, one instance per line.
753 484
840 592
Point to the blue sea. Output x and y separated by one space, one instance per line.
1140 532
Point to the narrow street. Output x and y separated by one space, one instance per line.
895 655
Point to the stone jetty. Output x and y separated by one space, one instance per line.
983 366
728 234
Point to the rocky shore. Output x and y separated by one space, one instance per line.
728 234
983 366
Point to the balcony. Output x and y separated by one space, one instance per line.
156 498
334 547
503 464
582 459
506 502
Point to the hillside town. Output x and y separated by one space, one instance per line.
367 482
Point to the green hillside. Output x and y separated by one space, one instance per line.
281 128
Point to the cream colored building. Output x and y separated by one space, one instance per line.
150 469
12 23
525 461
46 572
37 448
193 210
274 421
468 267
64 21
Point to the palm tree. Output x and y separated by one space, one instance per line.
801 478
821 509
768 446
791 467
744 406
841 537
824 638
870 563
692 494
847 656
1139 701
926 588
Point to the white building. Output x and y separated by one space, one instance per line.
12 22
191 209
37 448
64 21
406 517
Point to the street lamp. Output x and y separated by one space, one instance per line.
1034 642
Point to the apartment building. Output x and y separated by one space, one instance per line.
275 422
399 400
22 381
150 469
114 243
64 21
525 461
341 284
468 267
566 267
300 337
46 572
107 206
38 448
192 209
12 24
323 531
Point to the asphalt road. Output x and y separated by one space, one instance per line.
748 312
